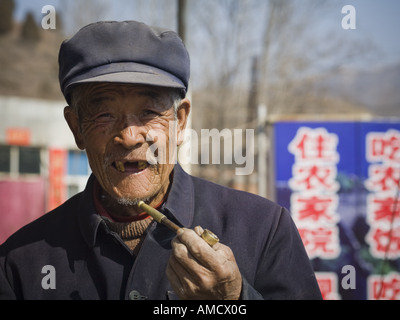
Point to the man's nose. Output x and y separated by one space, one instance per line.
130 137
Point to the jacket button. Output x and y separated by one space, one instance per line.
135 295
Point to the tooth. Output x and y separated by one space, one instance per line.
142 165
120 166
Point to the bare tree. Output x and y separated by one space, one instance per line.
78 14
218 40
6 15
285 42
181 17
295 56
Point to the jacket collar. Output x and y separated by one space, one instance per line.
179 205
180 200
88 218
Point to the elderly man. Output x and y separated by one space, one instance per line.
125 83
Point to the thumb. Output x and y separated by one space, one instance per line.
199 230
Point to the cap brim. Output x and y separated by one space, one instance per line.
134 74
134 78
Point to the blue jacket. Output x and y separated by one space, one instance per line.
69 253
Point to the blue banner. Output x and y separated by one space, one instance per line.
340 181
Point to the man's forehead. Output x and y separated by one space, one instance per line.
97 92
117 88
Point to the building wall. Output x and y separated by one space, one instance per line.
40 166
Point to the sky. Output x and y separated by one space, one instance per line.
378 20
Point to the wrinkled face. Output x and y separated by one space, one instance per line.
125 129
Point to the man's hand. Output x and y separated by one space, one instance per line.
198 271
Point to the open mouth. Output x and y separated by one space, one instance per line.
131 167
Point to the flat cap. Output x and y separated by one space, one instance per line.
124 52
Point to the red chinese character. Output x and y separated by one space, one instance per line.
327 282
314 177
384 288
383 178
382 208
322 242
384 241
314 145
315 208
383 146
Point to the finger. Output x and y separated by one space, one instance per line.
199 230
181 255
195 244
197 277
174 279
186 281
192 251
193 238
205 255
210 237
222 250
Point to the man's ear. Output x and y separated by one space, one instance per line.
73 123
182 116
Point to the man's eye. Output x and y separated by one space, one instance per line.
104 117
150 113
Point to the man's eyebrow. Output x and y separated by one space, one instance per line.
99 99
154 94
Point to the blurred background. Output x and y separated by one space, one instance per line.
255 64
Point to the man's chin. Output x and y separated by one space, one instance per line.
129 202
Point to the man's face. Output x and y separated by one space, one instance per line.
117 125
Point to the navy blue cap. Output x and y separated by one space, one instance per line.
124 52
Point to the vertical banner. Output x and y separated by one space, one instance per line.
340 181
314 198
22 202
382 171
57 171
